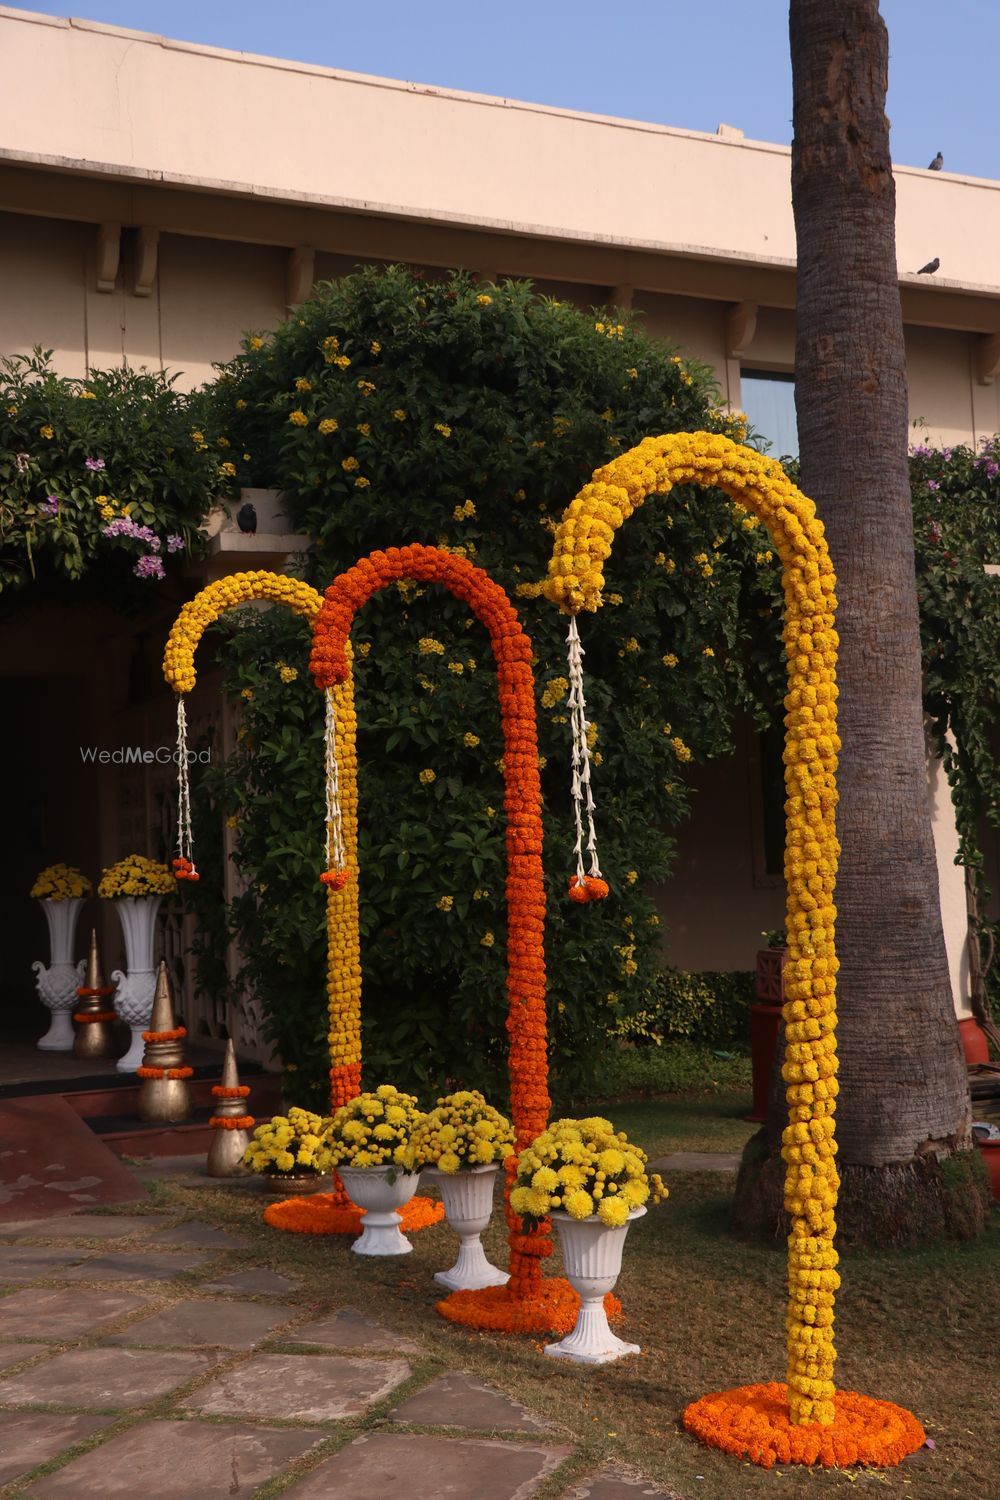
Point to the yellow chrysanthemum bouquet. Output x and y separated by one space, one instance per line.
585 1168
136 876
463 1131
376 1130
291 1145
60 883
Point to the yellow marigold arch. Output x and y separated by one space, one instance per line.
758 1421
343 941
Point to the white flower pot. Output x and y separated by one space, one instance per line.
468 1203
135 989
592 1258
57 984
369 1189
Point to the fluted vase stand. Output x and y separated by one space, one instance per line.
57 984
136 987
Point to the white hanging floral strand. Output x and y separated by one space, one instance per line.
185 837
583 798
336 858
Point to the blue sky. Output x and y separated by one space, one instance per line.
676 62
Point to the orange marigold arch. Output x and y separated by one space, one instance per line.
527 1302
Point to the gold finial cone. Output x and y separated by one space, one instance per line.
230 1073
162 1018
95 979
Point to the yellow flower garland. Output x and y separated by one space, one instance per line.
343 939
582 543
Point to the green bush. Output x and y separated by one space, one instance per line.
119 450
708 1009
391 410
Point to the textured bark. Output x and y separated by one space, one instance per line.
904 1094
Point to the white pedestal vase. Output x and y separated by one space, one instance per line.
135 989
57 985
592 1258
370 1190
467 1196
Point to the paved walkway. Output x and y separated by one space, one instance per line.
144 1355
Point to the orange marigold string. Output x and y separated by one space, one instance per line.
241 1092
231 1122
165 1036
84 1016
165 1072
525 1303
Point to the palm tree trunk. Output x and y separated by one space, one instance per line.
903 1112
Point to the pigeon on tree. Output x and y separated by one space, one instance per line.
246 518
936 164
930 267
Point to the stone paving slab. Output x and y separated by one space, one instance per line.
66 1314
52 1161
203 1236
30 1438
349 1329
257 1280
428 1468
136 1265
13 1354
609 1485
325 1388
104 1377
179 1461
28 1262
205 1323
459 1400
81 1227
697 1161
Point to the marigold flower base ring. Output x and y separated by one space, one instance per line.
753 1422
324 1213
552 1309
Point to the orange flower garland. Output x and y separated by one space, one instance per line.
165 1072
522 1304
582 543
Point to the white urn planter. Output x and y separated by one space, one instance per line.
370 1190
467 1196
135 989
57 985
592 1259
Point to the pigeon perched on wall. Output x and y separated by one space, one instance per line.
927 270
246 516
936 164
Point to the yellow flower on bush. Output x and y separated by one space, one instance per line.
443 429
470 740
349 464
48 431
60 883
487 940
461 1132
361 483
286 673
298 419
302 384
136 876
555 692
427 776
399 415
484 299
328 425
583 1168
445 903
428 646
375 1130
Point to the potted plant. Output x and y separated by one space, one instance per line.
462 1141
592 1183
137 886
61 890
290 1152
371 1144
765 1017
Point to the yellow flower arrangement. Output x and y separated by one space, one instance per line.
290 1145
375 1130
584 1168
759 485
60 883
136 876
463 1131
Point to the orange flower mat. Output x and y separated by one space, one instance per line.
553 1310
322 1214
752 1422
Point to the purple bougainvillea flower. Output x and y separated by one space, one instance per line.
175 543
50 505
95 463
149 566
932 484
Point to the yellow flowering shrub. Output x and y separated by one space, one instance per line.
60 883
375 1130
136 876
583 1168
463 1131
290 1145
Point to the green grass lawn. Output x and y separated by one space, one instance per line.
919 1328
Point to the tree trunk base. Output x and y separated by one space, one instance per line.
891 1207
